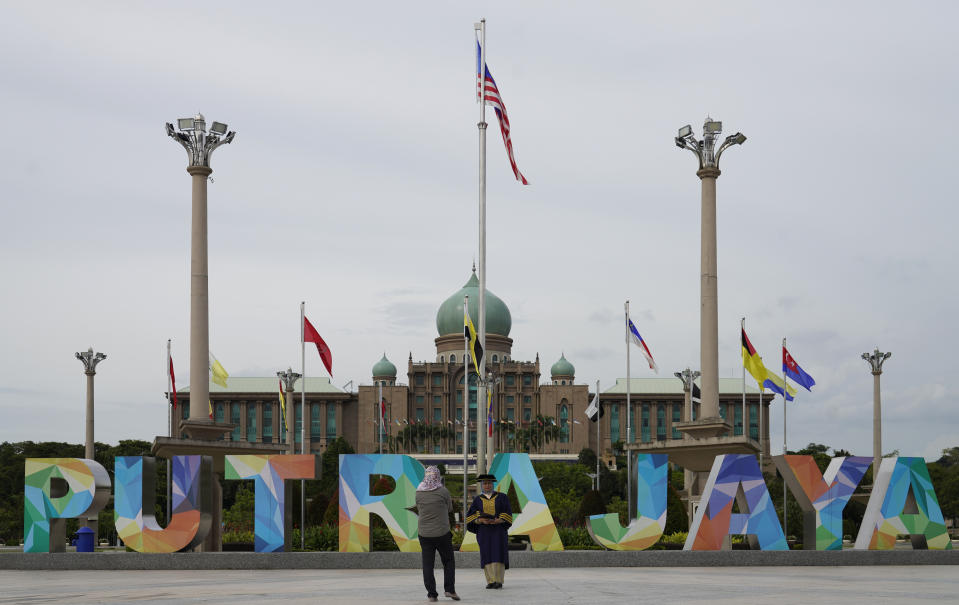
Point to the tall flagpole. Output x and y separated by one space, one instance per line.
742 327
629 427
466 411
762 391
598 422
379 408
169 390
481 379
302 420
785 396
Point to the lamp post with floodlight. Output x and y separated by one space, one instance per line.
199 145
289 378
708 158
875 361
90 361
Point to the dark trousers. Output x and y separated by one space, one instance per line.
443 544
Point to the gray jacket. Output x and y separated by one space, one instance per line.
434 509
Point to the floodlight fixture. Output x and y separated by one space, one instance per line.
198 143
707 151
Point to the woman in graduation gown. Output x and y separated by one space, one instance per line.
489 517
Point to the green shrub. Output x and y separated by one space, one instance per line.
592 504
240 536
577 538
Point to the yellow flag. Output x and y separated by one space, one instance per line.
218 372
282 404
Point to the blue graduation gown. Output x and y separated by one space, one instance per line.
492 539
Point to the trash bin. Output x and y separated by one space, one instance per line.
84 539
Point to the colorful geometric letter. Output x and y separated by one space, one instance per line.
272 508
650 476
822 497
55 489
356 502
903 501
735 477
134 500
534 519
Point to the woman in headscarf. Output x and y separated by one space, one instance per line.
434 505
490 517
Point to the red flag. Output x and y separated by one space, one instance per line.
383 408
311 335
173 382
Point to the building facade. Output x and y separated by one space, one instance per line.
436 409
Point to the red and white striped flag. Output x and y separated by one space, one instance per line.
494 100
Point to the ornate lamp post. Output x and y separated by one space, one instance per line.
708 157
199 145
688 377
289 378
875 361
90 361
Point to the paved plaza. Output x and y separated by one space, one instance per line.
780 585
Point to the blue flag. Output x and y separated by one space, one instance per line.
794 372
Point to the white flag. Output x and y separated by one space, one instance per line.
595 411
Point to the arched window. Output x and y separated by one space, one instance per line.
442 359
495 358
564 423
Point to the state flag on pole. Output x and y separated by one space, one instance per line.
311 335
476 348
217 371
489 411
639 342
793 371
172 382
486 88
752 361
282 402
595 410
383 409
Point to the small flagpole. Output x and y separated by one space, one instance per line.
785 396
762 391
466 411
169 390
742 327
302 420
598 421
629 428
379 408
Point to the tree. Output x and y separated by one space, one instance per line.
239 517
592 504
587 457
330 465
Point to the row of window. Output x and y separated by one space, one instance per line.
236 414
676 412
509 380
564 422
495 358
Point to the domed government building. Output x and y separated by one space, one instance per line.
428 409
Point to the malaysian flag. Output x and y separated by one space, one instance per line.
494 100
